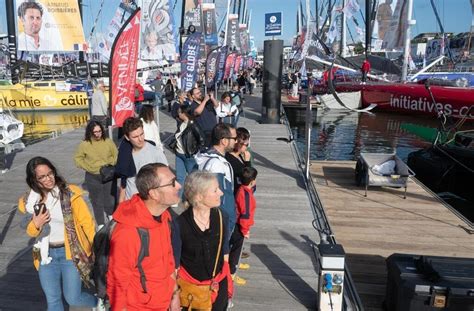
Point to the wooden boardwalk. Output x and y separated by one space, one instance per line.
374 227
282 274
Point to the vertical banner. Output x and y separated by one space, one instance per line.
189 61
158 40
211 67
122 14
394 38
243 39
123 67
238 63
233 37
221 63
229 65
192 14
209 23
49 26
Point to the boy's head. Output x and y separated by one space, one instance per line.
249 176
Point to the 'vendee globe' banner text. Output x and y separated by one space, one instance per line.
123 69
189 61
49 26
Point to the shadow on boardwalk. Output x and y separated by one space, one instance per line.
283 274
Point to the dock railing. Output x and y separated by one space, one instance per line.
320 222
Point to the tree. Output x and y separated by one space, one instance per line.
358 48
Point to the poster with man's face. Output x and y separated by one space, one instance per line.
53 26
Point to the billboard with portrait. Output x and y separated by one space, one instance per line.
158 32
49 26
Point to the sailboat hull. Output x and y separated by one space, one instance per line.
41 96
415 99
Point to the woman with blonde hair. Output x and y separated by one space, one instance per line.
203 232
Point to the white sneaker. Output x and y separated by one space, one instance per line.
230 304
100 305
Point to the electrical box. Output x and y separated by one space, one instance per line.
331 277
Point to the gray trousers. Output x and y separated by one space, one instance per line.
100 196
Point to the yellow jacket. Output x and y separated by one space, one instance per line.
83 222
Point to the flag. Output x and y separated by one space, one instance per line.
221 63
209 23
229 65
351 8
211 67
189 61
123 66
233 37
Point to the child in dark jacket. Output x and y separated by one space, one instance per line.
245 210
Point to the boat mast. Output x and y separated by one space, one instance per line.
343 31
12 48
406 52
368 29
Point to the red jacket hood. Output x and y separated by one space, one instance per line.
133 212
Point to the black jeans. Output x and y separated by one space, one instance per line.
236 243
100 196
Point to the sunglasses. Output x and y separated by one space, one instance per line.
234 138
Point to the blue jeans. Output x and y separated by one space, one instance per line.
58 269
184 166
158 99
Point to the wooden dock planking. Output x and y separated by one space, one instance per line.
282 274
374 227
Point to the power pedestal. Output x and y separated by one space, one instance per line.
331 277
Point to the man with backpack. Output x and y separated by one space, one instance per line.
144 251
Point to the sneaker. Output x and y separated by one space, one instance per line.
230 304
100 305
245 255
244 266
239 281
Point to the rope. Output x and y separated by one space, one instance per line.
96 19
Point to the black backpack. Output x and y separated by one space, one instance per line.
101 249
192 139
169 92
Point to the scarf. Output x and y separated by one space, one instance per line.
83 263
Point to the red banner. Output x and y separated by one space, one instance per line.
123 69
238 64
229 64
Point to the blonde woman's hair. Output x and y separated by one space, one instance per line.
197 182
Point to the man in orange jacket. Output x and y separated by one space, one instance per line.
157 190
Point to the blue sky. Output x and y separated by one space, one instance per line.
456 15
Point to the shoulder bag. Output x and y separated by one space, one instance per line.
107 173
193 296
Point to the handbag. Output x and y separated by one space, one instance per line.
107 173
172 143
193 296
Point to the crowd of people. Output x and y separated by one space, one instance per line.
193 256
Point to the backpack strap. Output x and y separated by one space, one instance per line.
144 252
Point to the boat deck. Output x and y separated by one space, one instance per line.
374 227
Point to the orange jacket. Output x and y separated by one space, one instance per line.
123 278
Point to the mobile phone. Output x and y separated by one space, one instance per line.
39 208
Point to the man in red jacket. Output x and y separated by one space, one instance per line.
157 190
365 69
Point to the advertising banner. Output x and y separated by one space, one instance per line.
238 63
49 26
211 67
123 66
192 14
244 45
391 24
158 40
189 61
221 62
229 65
233 37
209 23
